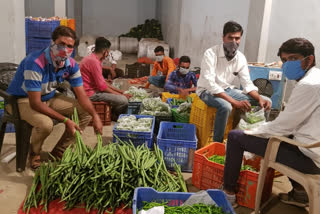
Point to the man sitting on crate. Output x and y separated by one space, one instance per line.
181 80
221 67
299 119
35 84
162 68
94 84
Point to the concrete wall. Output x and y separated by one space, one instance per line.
201 24
115 17
12 32
44 8
169 15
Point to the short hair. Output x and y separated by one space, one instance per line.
298 46
232 27
159 49
184 59
101 44
63 31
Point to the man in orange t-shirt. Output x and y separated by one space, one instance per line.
162 68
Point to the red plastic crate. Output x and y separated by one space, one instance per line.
209 175
104 111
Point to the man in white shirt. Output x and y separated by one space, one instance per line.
299 119
222 68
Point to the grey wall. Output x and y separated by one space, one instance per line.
201 24
115 17
12 32
169 15
43 8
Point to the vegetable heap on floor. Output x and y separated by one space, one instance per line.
150 29
221 160
131 123
138 94
103 178
155 107
195 208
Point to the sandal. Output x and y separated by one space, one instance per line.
34 161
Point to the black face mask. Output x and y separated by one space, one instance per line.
230 50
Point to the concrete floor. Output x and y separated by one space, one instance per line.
14 186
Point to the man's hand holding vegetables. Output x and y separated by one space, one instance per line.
35 82
94 83
220 67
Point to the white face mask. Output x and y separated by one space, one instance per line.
159 58
183 71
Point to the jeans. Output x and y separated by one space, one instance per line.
224 109
158 81
119 103
238 142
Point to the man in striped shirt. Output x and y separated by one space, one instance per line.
35 83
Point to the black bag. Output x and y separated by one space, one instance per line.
7 72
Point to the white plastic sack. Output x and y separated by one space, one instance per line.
153 45
143 46
114 40
154 210
128 45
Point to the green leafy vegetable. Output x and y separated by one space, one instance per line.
221 160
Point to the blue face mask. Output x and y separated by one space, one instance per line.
292 70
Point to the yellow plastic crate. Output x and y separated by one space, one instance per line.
203 116
64 22
167 95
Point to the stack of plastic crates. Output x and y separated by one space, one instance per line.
147 194
209 175
137 70
178 141
137 138
38 34
203 116
134 107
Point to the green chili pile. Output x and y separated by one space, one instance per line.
103 178
196 208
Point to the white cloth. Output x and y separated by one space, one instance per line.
300 117
217 73
154 210
110 59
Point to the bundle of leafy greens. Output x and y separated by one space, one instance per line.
138 94
155 107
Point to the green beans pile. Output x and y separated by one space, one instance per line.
196 208
103 178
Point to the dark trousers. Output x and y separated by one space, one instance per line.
238 142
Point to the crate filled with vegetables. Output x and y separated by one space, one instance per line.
178 141
148 198
175 103
157 108
100 179
138 94
208 169
135 128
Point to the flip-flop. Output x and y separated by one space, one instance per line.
35 162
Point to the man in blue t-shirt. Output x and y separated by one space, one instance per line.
35 83
181 80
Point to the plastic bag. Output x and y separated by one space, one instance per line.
253 119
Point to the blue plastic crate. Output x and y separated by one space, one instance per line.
277 85
35 44
40 29
178 141
134 107
10 127
137 138
169 101
148 194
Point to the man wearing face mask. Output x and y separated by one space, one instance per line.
181 80
94 83
162 68
299 119
35 84
221 68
